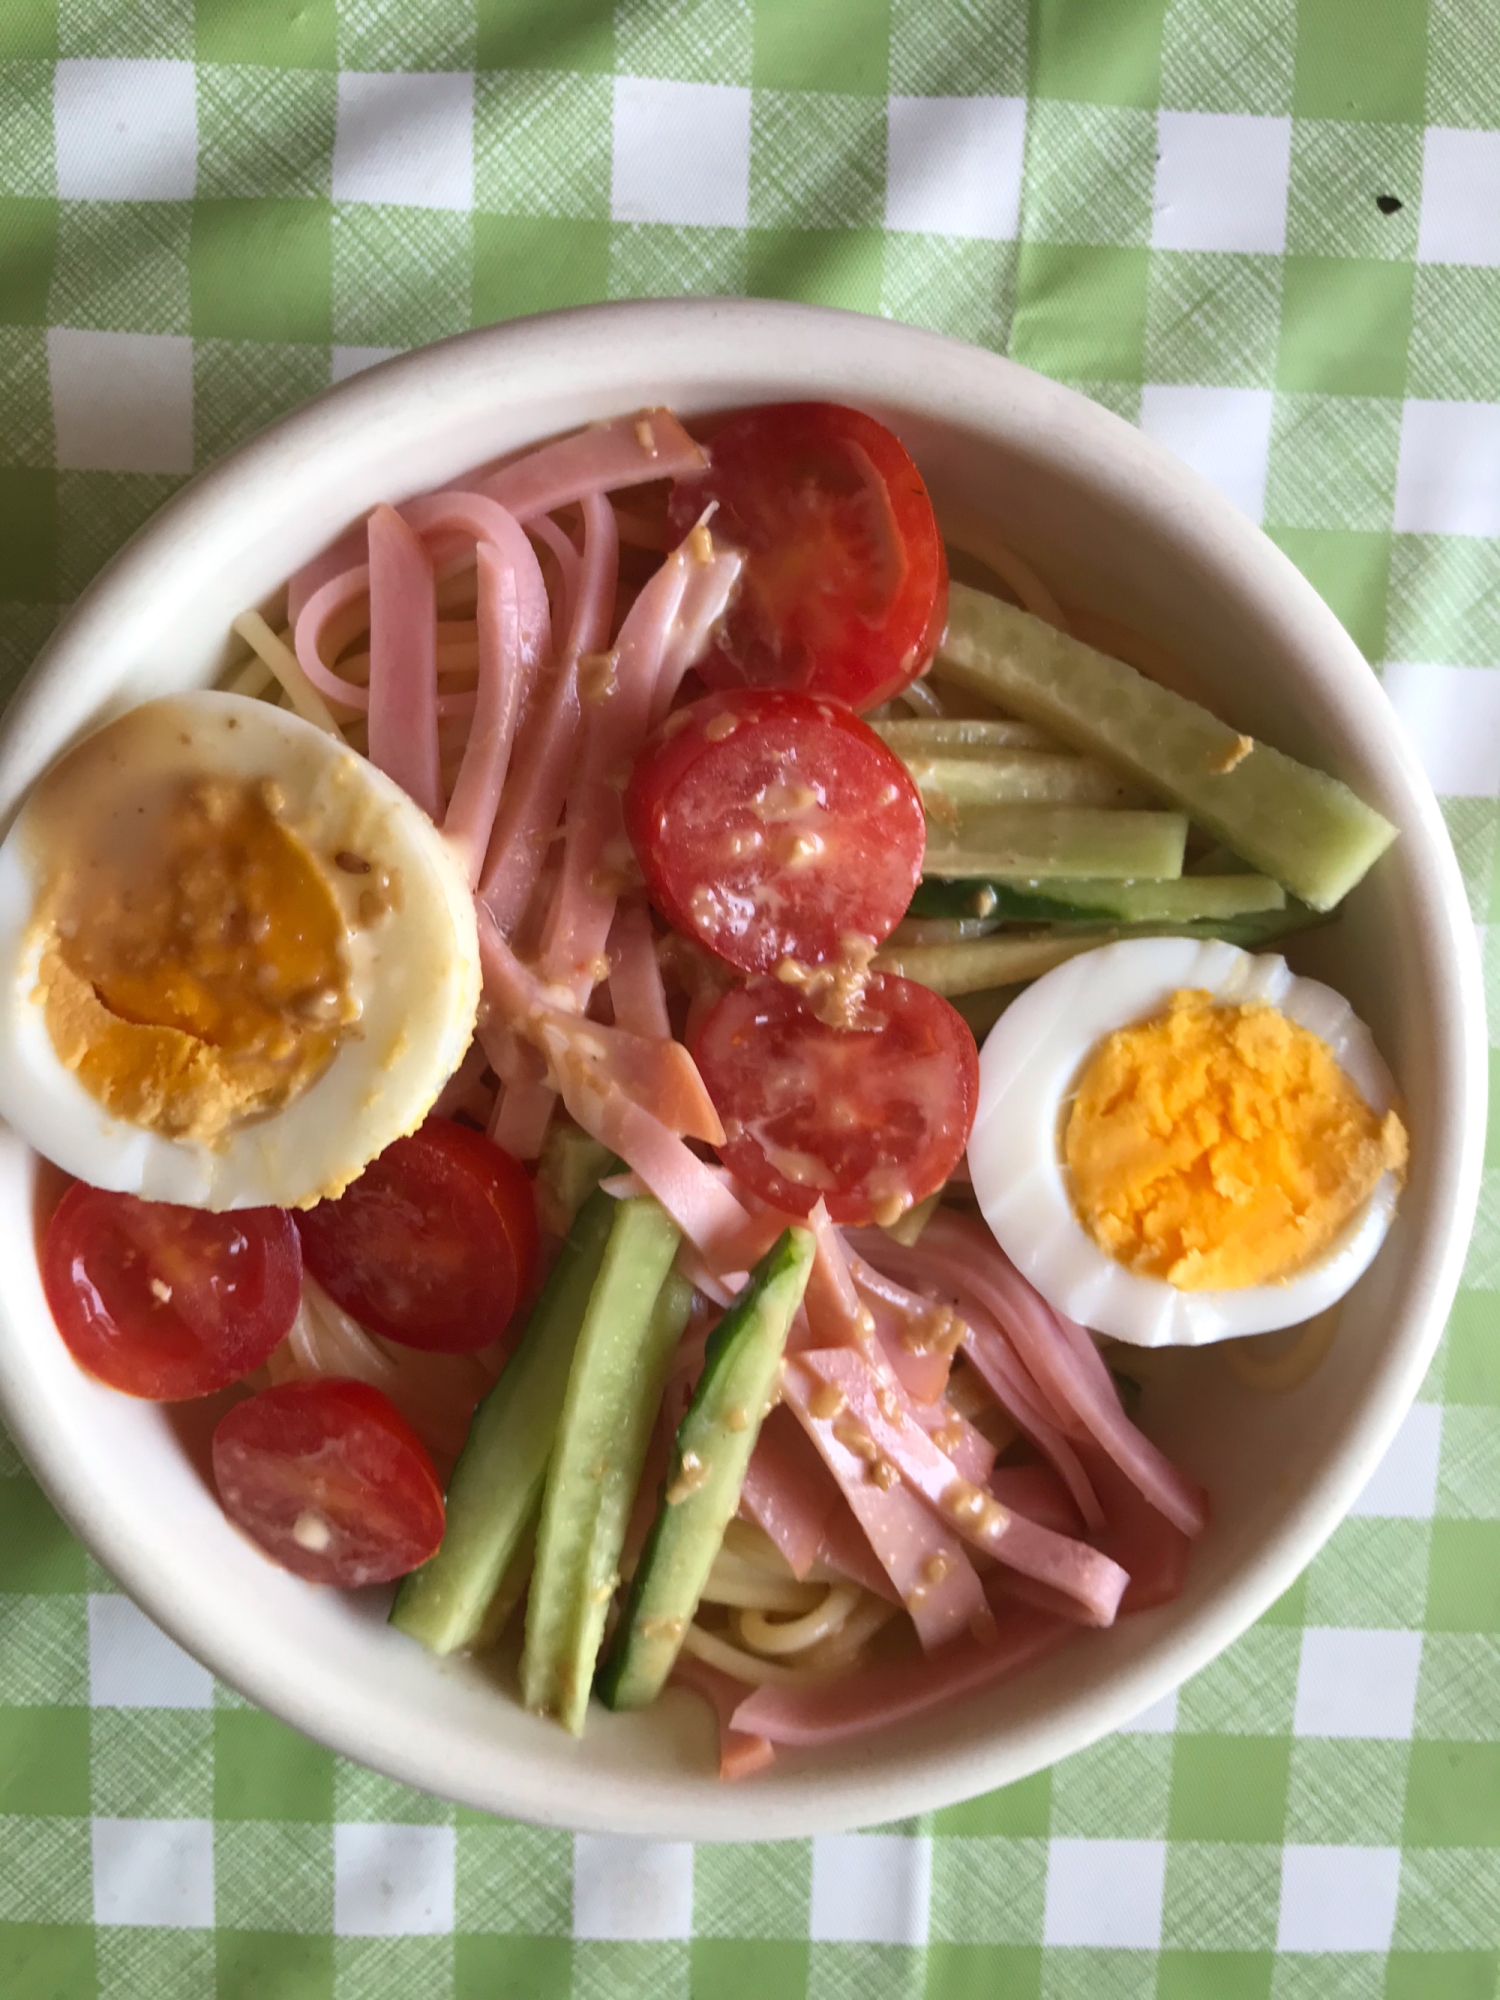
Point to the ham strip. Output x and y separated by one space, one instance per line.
635 983
710 584
741 1753
403 661
788 1491
481 775
882 1697
906 1326
835 1316
626 451
336 560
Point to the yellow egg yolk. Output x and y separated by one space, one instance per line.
1221 1146
193 974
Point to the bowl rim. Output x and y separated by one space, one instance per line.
949 380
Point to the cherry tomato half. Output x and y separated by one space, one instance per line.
331 1480
166 1302
872 1119
845 586
771 825
433 1244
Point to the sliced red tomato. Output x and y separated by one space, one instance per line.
774 825
433 1245
845 586
331 1480
872 1119
166 1302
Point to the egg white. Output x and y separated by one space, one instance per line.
414 972
1027 1071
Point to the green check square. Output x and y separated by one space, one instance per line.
1235 58
1096 51
137 1963
1221 1896
752 1889
1090 169
1322 298
606 1969
1469 1468
28 251
1345 1789
273 1875
1456 1975
1454 334
1360 59
97 512
289 34
256 1965
519 1968
747 1968
987 1890
1349 570
123 266
152 1763
240 386
831 267
542 143
28 31
1018 1810
374 35
368 1796
574 36
1212 316
141 28
261 270
1448 1899
1228 1788
1463 1577
37 1553
1338 171
44 1760
527 264
816 161
43 1640
1453 1795
1474 1349
264 131
1122 1782
977 1972
401 276
264 1770
1471 827
1288 1608
1445 599
1370 1573
1333 461
688 41
1482 1264
1463 72
1249 1690
49 1961
962 288
973 49
842 48
513 1878
1080 310
26 163
29 573
1214 1975
24 629
46 1871
654 260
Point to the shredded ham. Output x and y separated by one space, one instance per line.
741 1752
635 984
903 1325
789 1493
625 451
403 661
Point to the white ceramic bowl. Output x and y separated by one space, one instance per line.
1115 523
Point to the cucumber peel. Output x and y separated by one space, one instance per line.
1067 841
1189 899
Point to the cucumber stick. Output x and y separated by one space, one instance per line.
1304 828
1038 841
1186 900
974 967
956 736
705 1473
635 1317
1018 778
497 1483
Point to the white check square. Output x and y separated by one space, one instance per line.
1221 182
1357 1683
1403 1487
632 1890
125 130
133 1664
121 402
1160 1719
1338 1898
393 1881
405 139
154 1872
347 361
681 153
953 165
1105 1893
1452 715
1448 469
870 1888
1460 198
1223 433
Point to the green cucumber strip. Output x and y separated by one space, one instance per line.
1186 900
512 1589
497 1483
1019 778
635 1317
705 1473
1072 841
1304 828
572 1165
984 962
961 736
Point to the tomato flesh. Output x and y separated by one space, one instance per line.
845 585
433 1245
330 1480
165 1302
775 825
871 1119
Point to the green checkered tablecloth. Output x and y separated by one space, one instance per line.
1267 230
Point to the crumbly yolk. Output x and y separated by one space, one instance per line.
1221 1146
194 973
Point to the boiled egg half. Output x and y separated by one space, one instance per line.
1177 1142
236 961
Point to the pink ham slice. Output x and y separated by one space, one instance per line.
789 1493
904 1323
741 1753
626 451
636 991
403 661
